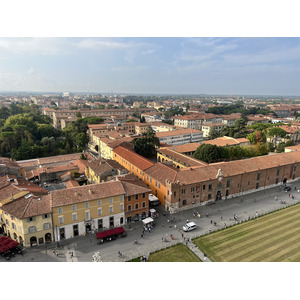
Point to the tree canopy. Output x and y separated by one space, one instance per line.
146 144
212 153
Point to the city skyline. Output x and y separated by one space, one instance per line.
224 66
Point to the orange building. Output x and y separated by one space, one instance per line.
133 162
136 198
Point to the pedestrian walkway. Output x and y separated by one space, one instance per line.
196 250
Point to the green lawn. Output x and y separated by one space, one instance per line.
271 238
177 253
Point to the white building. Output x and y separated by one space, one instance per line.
180 137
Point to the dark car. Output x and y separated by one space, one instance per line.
287 188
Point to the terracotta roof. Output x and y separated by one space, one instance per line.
49 160
134 158
289 129
293 148
25 208
33 173
97 126
254 164
223 141
4 181
162 172
82 194
177 132
8 162
66 174
232 116
80 164
252 118
7 191
24 184
100 167
181 158
71 183
190 147
133 186
59 168
59 158
124 140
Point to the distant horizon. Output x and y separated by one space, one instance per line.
144 94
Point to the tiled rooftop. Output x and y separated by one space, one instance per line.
134 158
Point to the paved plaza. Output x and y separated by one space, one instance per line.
82 249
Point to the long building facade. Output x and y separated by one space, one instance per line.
184 188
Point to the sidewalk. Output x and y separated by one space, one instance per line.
196 250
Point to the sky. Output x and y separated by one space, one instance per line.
161 65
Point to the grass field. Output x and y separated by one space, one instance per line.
178 253
271 238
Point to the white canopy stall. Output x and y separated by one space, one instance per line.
148 221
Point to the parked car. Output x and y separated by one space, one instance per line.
287 188
189 226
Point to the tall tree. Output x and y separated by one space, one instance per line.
146 144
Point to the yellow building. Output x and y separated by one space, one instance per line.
176 159
100 170
27 220
77 211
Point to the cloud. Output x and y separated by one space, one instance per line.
132 48
45 46
264 57
31 70
99 44
196 53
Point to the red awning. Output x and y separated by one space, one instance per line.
3 238
3 248
5 242
106 233
12 244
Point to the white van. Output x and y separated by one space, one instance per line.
189 226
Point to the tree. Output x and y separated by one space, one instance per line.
276 132
81 140
256 137
78 114
213 134
146 144
252 138
4 113
208 153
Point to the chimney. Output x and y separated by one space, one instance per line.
76 193
90 191
12 197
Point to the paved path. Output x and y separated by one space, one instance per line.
197 251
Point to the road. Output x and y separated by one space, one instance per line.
83 248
